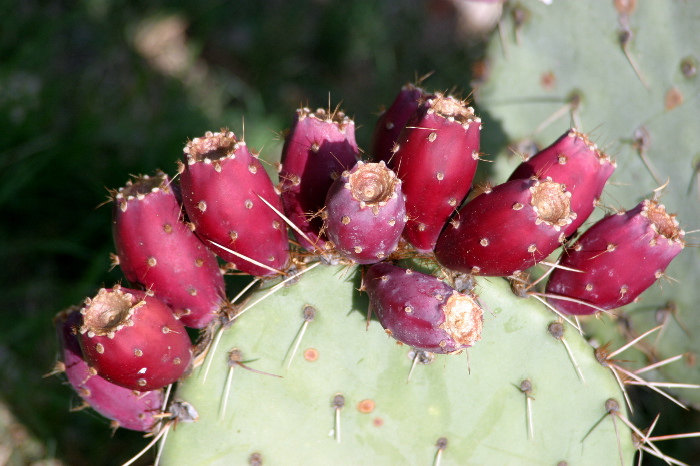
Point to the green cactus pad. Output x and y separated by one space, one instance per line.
573 48
385 418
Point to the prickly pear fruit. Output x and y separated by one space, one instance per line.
156 249
133 339
392 121
506 229
124 407
620 256
421 310
436 158
574 161
318 148
365 212
222 186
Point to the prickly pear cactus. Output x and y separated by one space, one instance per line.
475 402
627 72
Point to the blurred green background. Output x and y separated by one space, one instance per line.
92 91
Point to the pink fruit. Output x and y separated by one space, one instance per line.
365 212
156 249
124 407
436 158
222 185
392 121
620 256
133 339
574 161
422 311
318 148
506 229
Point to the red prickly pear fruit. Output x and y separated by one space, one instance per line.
133 339
126 408
392 121
422 311
365 213
222 185
574 161
156 249
318 148
436 159
506 229
620 256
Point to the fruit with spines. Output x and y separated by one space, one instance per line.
422 311
318 148
436 158
393 120
157 250
577 163
223 187
365 213
126 408
616 259
133 340
506 229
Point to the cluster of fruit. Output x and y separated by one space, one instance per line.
124 345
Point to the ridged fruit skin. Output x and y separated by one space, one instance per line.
365 212
133 339
436 158
421 311
126 408
220 182
318 148
157 250
620 256
393 120
576 162
506 229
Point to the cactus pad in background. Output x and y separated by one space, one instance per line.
474 402
627 76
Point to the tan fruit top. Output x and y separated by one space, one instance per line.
141 186
449 107
662 222
463 319
336 117
108 312
213 146
373 184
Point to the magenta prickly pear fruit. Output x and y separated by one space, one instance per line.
133 339
422 311
574 161
124 407
222 186
393 120
506 229
436 158
365 212
620 256
318 148
156 249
